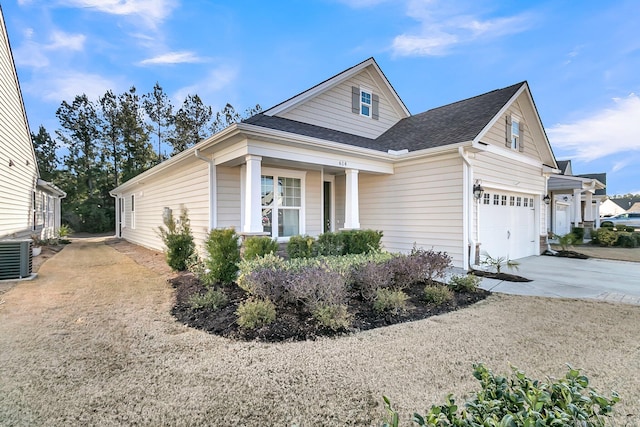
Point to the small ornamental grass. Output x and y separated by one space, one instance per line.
390 301
255 313
436 294
213 299
333 316
465 283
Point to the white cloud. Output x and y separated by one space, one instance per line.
603 133
62 40
207 88
173 58
151 12
34 54
65 86
443 25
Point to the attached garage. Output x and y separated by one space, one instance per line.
507 225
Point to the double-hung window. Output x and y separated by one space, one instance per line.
515 134
365 103
281 205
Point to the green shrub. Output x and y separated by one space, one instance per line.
606 236
390 301
627 228
466 283
334 317
626 240
64 231
255 313
301 247
361 241
224 255
330 244
213 299
578 232
259 246
520 401
437 294
178 240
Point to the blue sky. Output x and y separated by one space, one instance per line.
581 59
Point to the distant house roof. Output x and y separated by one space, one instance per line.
634 208
626 202
563 165
458 122
602 177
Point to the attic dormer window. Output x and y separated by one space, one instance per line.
514 135
365 103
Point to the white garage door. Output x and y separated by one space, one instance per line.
507 225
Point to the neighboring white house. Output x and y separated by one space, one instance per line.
610 208
347 154
28 205
575 200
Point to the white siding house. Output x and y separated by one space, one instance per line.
28 205
347 154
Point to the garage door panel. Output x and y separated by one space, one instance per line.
507 225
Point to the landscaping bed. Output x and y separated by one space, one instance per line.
293 323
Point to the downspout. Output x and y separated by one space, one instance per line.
213 213
117 214
467 215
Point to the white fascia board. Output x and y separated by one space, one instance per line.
509 154
315 157
51 188
319 144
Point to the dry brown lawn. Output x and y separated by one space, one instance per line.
91 342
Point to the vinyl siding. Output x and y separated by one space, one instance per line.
229 197
421 204
313 203
185 187
17 182
332 109
341 185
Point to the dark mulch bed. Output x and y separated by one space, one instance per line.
500 276
567 254
293 324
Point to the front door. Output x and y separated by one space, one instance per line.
327 207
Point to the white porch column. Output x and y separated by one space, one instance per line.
352 208
588 207
252 195
577 207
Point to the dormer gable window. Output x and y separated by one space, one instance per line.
514 133
365 103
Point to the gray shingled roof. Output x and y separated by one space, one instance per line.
453 123
562 165
602 177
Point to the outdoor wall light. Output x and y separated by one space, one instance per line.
546 199
477 190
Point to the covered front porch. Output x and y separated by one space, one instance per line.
574 203
301 191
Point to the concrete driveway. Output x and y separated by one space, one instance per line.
614 281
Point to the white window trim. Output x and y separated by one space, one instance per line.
370 104
133 211
287 173
514 120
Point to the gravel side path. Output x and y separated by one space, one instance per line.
91 342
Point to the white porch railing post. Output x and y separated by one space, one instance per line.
577 207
